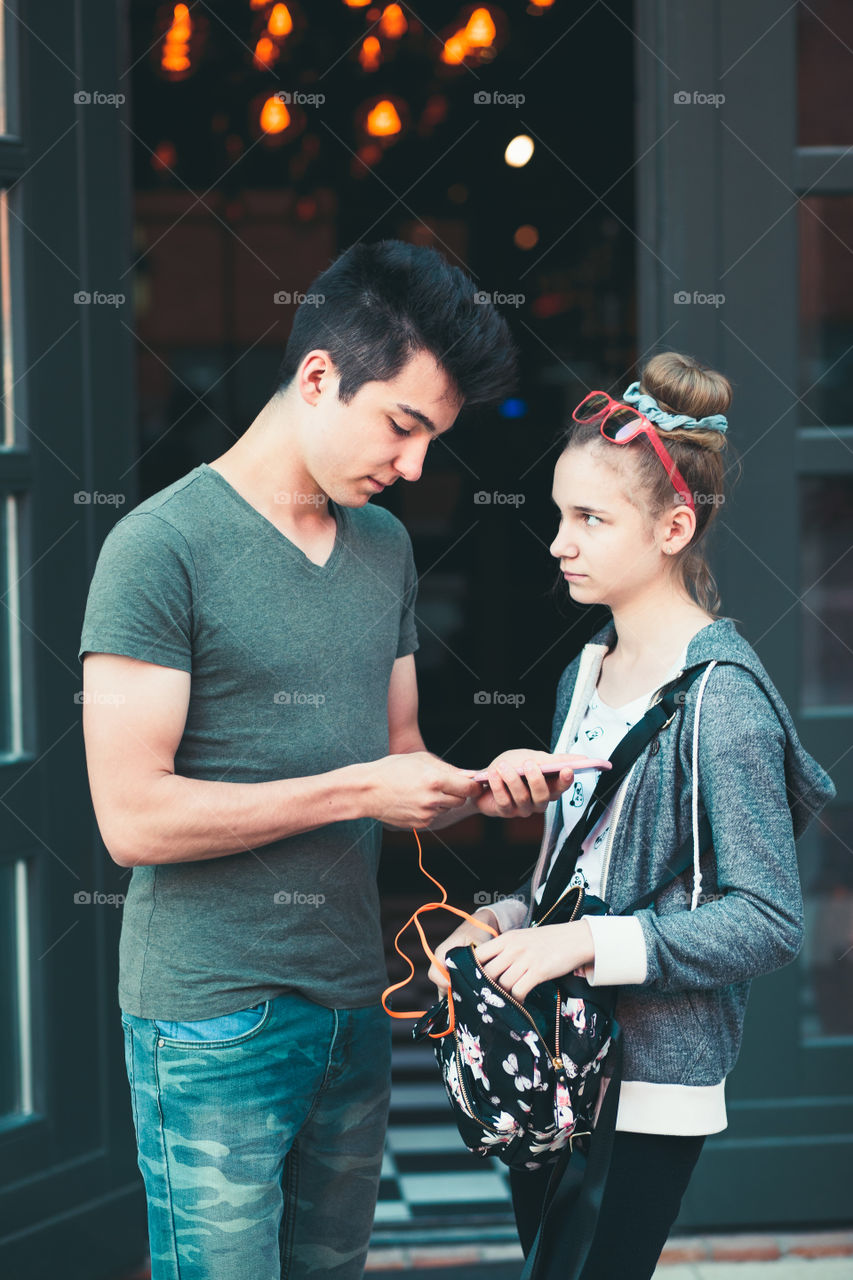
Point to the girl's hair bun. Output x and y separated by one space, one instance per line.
681 384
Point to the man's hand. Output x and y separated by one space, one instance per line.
460 938
520 959
412 789
517 786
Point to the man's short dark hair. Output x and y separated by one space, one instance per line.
385 302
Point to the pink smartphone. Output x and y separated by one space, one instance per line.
550 769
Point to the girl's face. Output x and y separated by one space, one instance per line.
606 546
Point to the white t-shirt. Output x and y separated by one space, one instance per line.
602 729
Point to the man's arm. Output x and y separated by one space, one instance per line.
134 714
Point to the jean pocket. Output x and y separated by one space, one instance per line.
229 1028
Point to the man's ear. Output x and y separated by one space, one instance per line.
316 376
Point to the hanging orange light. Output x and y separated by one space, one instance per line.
393 22
455 50
175 58
280 23
480 30
484 31
383 120
370 54
275 119
275 116
356 4
266 53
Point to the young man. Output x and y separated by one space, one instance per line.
250 717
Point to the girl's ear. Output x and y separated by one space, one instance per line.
677 530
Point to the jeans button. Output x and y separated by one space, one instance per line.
160 1043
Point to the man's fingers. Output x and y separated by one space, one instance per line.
449 800
460 784
515 785
536 783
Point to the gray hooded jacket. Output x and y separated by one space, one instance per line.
684 964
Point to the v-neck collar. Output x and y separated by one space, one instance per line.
329 565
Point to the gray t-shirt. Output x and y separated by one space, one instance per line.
290 665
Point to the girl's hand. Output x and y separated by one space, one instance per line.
520 959
460 938
517 786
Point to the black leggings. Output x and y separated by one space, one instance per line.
648 1176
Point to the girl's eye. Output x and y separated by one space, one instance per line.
587 516
398 430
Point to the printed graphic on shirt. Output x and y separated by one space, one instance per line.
577 798
599 840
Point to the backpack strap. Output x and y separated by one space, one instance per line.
626 753
576 1190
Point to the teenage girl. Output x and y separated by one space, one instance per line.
637 486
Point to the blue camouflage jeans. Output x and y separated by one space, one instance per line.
260 1138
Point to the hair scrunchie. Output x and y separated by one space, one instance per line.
669 421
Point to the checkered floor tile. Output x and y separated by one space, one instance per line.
428 1175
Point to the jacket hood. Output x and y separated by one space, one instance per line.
809 787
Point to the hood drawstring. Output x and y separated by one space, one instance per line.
697 874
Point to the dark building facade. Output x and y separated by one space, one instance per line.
691 188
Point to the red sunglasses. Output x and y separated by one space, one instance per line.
620 424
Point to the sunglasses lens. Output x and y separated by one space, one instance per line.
592 407
622 425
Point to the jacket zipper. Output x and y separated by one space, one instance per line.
556 1061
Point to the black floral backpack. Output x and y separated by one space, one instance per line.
523 1078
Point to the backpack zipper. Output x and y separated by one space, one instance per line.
556 1062
472 1113
535 923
